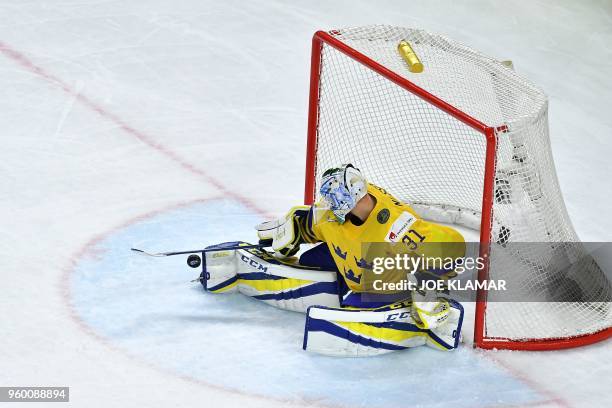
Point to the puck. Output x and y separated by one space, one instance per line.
194 260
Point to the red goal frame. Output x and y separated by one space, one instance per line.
489 133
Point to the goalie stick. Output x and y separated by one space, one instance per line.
194 260
262 244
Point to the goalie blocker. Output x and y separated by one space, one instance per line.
330 328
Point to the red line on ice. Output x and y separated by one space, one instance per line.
491 355
26 63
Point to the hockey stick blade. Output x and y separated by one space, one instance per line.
140 251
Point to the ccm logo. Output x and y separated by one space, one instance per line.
253 263
397 316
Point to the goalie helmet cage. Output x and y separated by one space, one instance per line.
464 142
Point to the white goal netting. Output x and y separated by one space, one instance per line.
428 158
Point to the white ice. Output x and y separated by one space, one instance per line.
178 124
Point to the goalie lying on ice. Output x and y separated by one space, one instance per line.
342 317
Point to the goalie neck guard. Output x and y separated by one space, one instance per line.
341 188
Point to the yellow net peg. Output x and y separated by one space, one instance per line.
414 63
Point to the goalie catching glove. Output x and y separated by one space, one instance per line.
285 234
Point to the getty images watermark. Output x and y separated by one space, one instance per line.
424 273
513 271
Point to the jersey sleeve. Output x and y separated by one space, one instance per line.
309 230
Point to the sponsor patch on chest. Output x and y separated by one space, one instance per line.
400 226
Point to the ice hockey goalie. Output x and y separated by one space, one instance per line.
328 281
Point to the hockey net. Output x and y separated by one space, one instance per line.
466 142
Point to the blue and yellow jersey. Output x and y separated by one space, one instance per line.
390 221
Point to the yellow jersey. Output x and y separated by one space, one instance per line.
390 221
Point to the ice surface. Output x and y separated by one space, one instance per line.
147 308
130 123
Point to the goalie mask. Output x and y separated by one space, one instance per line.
341 188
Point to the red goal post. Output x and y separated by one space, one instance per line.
343 50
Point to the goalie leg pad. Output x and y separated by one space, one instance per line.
357 333
258 274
